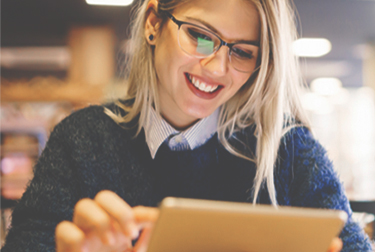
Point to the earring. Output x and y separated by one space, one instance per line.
151 37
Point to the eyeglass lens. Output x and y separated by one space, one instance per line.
201 43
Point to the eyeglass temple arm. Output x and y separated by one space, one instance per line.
177 22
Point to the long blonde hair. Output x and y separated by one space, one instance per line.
269 100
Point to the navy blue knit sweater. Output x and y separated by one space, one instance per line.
88 152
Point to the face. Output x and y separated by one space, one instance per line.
181 102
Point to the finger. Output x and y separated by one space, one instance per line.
93 243
336 245
90 217
142 243
69 238
119 210
145 217
145 214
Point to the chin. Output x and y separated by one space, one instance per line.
199 113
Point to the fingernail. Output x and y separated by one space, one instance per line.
134 232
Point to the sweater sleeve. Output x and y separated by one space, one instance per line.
314 183
49 199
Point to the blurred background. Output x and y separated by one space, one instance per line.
58 56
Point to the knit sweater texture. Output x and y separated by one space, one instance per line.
88 152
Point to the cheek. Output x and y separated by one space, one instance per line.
240 79
169 58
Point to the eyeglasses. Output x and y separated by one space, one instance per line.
202 43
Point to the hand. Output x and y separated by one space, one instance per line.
106 223
336 245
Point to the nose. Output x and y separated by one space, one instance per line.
217 63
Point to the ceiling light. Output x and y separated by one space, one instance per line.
311 47
326 86
110 2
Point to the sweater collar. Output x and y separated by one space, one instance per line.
158 130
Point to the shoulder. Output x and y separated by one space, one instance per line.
91 118
84 116
298 143
83 120
90 124
308 171
91 140
305 150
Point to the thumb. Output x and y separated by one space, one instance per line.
336 245
142 243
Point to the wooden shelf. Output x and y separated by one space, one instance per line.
50 89
29 149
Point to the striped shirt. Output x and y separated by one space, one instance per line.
158 130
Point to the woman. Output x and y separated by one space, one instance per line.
212 112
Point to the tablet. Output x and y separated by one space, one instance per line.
190 225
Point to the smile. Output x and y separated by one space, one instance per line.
201 88
201 85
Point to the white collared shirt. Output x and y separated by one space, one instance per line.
158 130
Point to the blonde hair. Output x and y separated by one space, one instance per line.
269 100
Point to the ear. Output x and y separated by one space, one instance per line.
153 22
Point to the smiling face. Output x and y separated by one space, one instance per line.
192 88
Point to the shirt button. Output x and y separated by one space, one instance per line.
178 139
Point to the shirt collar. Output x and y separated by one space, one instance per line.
158 130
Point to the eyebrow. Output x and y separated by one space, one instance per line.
250 42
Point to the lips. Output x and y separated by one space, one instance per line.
202 89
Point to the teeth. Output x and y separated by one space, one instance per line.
202 86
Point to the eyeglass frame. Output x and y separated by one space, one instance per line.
179 23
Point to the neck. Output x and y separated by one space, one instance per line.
179 123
